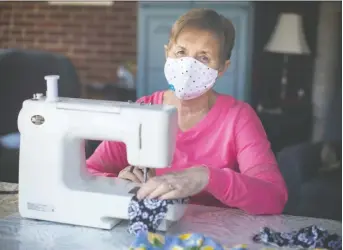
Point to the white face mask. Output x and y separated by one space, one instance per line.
188 77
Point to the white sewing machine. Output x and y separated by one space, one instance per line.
54 184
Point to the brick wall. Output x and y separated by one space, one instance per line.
96 38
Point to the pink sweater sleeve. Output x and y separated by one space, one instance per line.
110 157
259 187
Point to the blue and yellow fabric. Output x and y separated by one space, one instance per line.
189 241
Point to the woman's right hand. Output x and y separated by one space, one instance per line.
135 174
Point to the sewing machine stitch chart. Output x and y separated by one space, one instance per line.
54 184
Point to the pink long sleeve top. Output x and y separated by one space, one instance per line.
232 143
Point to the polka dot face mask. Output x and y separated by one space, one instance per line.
188 77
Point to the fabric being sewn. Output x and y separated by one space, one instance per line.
308 237
146 215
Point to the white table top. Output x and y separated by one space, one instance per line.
228 226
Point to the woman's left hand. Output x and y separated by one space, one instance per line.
175 185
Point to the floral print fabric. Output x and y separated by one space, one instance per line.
189 241
146 215
308 237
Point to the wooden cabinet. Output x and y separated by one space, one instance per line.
155 20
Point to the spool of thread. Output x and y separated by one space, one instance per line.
52 88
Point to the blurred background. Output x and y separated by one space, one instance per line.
286 63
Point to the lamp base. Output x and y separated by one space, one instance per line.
284 80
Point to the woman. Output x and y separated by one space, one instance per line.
222 155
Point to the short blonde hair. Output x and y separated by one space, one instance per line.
209 20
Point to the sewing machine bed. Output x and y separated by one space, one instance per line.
105 207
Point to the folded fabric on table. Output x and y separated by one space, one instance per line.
308 237
189 241
147 214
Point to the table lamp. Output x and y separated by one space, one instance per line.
287 39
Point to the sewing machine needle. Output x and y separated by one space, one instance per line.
145 172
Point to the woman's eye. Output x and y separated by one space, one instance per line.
204 59
180 53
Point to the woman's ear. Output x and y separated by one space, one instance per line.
223 69
166 51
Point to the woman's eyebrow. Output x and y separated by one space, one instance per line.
180 47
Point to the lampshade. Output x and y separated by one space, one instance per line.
288 36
